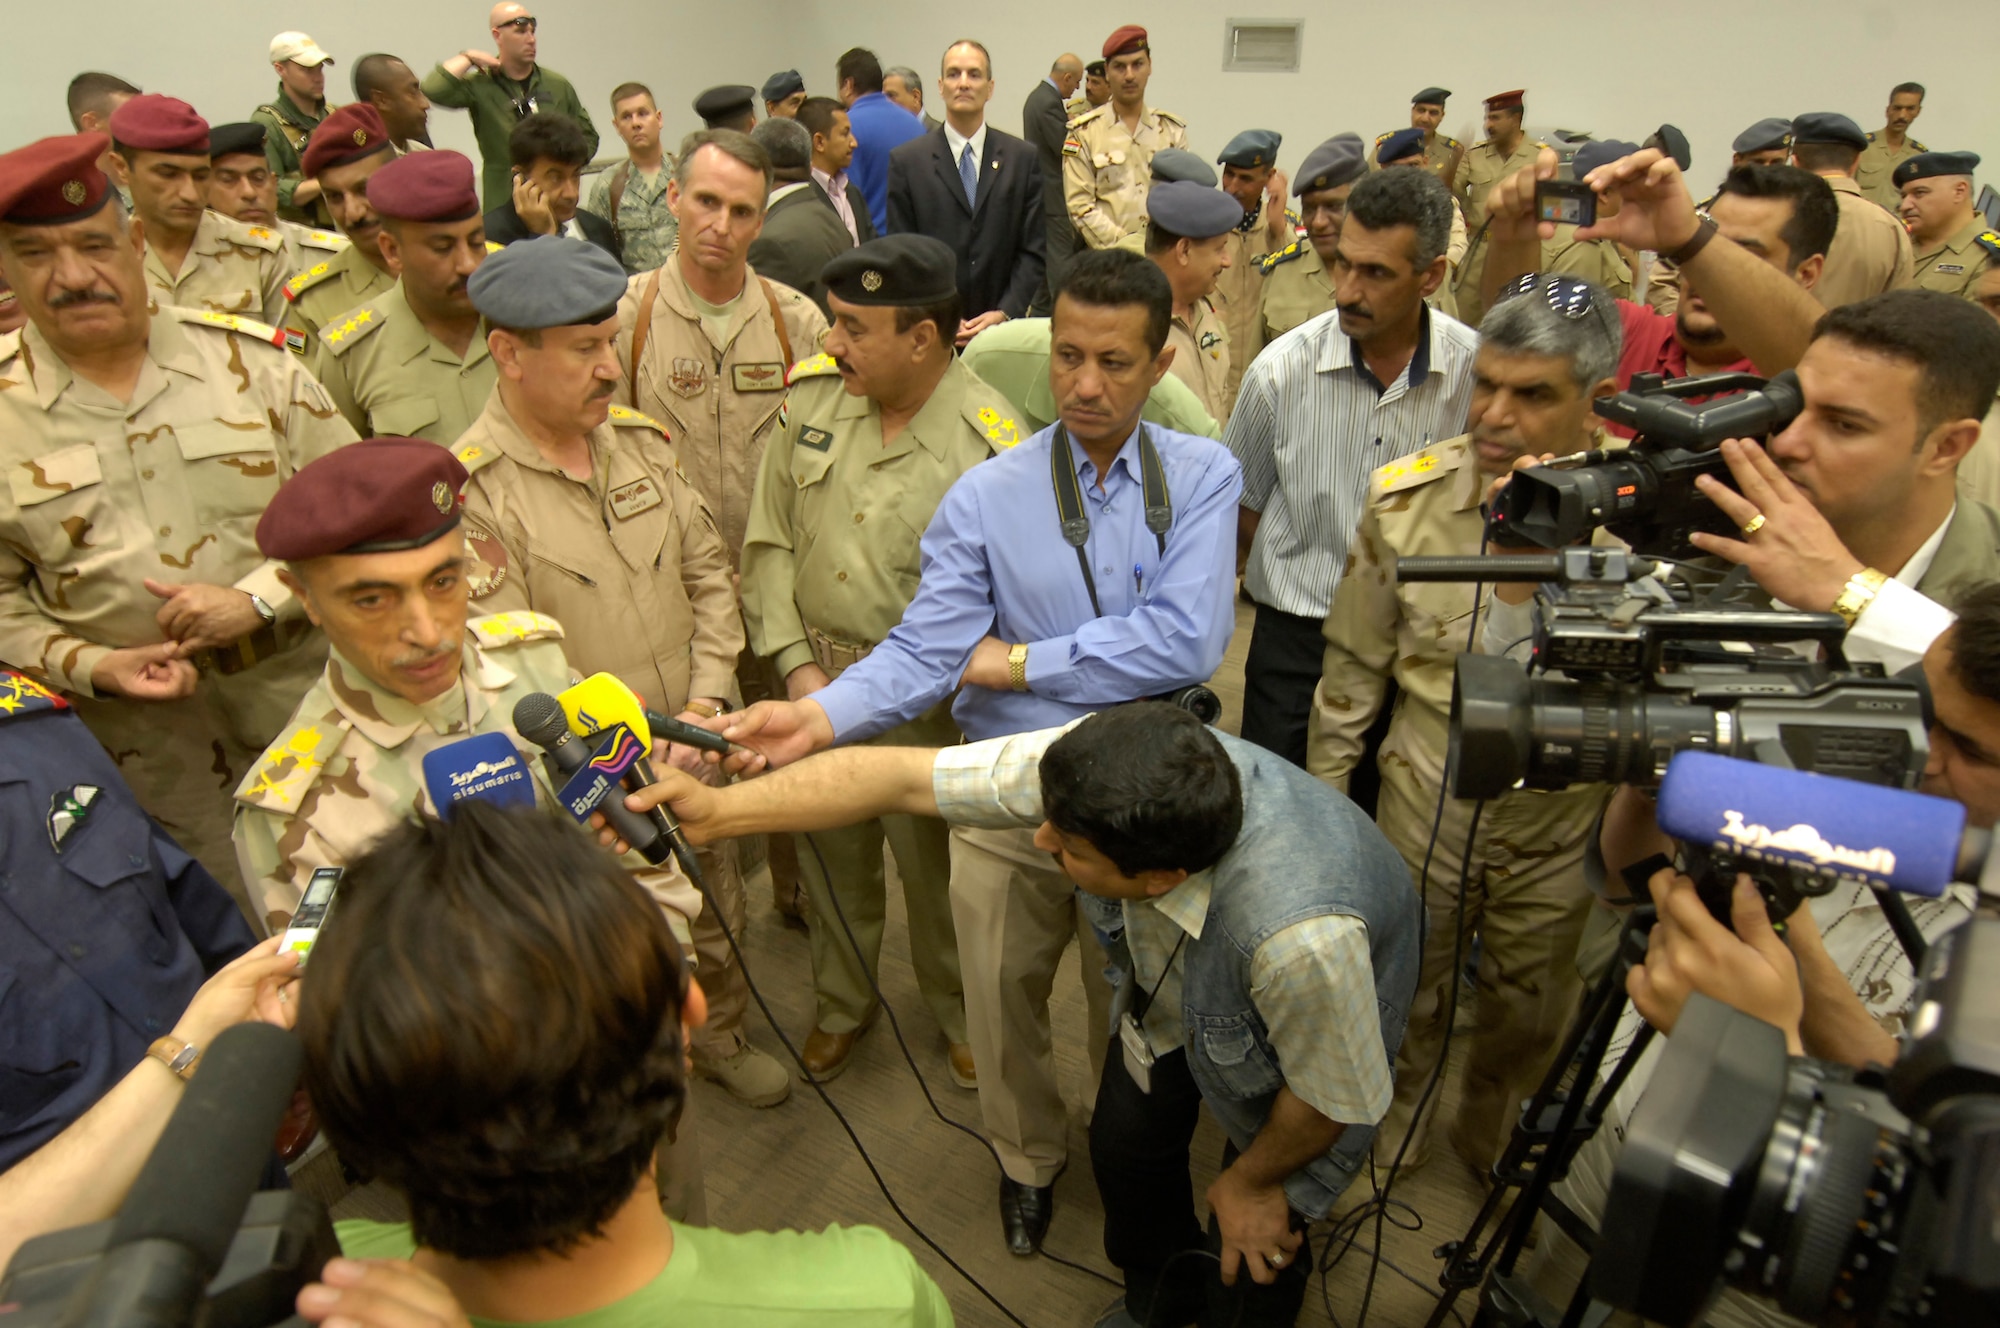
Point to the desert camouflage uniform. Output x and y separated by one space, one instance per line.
1108 169
230 268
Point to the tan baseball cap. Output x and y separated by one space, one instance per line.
299 49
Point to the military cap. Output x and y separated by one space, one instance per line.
1506 101
229 140
783 84
1180 164
1763 136
903 270
724 103
299 49
1125 40
1251 148
347 135
549 281
1182 207
425 186
1670 140
1431 97
1095 67
1600 152
53 180
375 496
1926 164
1338 161
1828 127
152 122
1403 143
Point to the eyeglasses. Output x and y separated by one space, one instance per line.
1572 299
520 24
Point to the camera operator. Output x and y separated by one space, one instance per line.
1265 938
1547 350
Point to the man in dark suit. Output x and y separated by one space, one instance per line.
1045 123
977 188
832 149
800 232
548 152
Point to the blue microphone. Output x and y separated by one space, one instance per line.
487 767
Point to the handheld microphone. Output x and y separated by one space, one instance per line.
177 1222
1831 828
487 767
602 700
588 776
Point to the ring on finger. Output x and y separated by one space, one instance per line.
1278 1260
1753 525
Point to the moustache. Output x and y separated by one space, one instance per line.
603 390
70 298
421 658
1357 310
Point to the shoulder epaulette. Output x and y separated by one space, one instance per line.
626 418
1989 241
1166 115
1383 138
494 246
327 240
1871 136
814 367
338 336
22 695
1450 142
257 237
291 765
1001 430
1918 146
308 279
474 457
283 338
507 629
1269 263
1419 468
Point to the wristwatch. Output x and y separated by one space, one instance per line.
264 611
1859 592
1017 666
178 1056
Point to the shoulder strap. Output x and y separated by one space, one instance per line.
1076 521
777 319
620 177
639 331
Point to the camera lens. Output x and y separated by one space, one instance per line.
1553 506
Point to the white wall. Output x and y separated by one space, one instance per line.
1710 66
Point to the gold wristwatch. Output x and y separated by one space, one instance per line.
1017 666
178 1056
1859 592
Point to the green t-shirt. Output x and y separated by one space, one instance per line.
1013 359
724 1279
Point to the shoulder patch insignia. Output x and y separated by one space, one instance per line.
1450 142
813 367
1989 241
22 695
1269 263
474 457
249 327
1411 471
307 279
1072 148
1918 146
290 765
1000 430
1871 136
337 337
626 418
325 240
506 629
1168 116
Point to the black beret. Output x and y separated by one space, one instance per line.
725 103
1431 97
782 84
902 271
1670 140
1926 164
375 496
225 140
1828 127
549 281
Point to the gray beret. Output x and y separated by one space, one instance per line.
1812 127
1763 136
1340 160
1180 164
1600 152
782 85
549 281
1182 207
1250 149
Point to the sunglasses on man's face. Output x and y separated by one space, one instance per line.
520 24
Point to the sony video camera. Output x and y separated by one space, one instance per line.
1843 1197
1645 494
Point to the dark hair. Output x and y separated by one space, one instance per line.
625 91
1954 344
371 74
1148 785
1159 239
731 143
1975 642
1109 278
1901 88
90 90
1417 199
551 135
816 114
787 143
946 313
860 65
1815 214
1826 157
493 1027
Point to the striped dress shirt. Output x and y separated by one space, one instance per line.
1312 423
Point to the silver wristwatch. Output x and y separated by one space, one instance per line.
264 611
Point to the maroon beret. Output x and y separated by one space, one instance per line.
426 186
152 122
1506 101
349 134
53 180
1126 40
379 495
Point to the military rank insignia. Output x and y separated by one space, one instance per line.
69 809
819 440
22 695
999 430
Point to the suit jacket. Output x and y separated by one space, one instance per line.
504 226
801 232
864 224
1000 239
1045 123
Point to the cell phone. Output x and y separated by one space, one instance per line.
1565 202
312 913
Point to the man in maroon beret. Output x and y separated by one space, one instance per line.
148 444
1108 156
413 360
194 258
349 146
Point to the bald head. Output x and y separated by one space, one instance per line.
506 13
513 27
1067 74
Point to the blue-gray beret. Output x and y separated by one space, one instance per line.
1180 164
904 270
1182 207
783 84
1340 160
1598 152
1828 127
1403 143
1763 136
1926 164
1250 149
549 281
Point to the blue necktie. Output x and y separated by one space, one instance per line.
968 175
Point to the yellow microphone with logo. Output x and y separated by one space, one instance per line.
601 700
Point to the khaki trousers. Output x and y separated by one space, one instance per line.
1015 913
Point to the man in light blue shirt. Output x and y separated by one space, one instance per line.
879 125
1006 612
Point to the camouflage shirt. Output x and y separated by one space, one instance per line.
230 268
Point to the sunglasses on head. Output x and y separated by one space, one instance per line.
1568 297
520 24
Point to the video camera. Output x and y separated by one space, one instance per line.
1645 494
1863 1198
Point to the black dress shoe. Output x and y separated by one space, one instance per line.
1024 1214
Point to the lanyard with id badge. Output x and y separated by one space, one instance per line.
1139 1055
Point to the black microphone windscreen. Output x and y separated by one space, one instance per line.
539 718
200 1176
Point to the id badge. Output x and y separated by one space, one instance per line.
1138 1052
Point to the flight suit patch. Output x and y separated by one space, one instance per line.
757 377
1209 340
688 378
69 809
817 439
628 500
489 569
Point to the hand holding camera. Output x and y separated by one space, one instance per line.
1745 965
1789 547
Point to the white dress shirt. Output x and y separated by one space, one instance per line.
957 144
